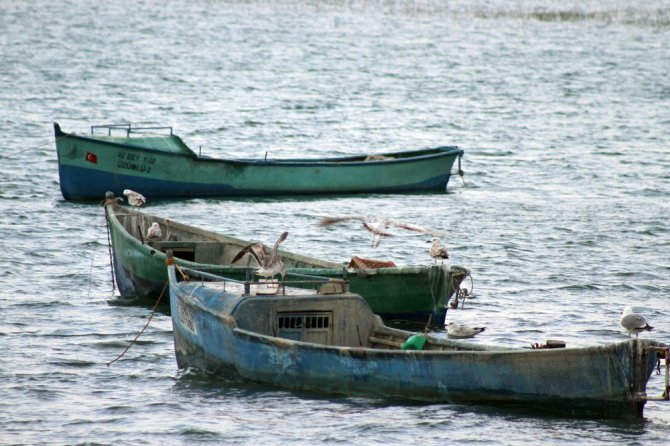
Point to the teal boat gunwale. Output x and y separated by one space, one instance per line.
404 156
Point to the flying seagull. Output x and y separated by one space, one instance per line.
154 231
438 250
458 331
268 260
378 226
633 322
135 198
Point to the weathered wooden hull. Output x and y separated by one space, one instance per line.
89 166
607 381
410 293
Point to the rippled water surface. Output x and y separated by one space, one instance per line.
562 111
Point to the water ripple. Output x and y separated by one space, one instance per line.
562 216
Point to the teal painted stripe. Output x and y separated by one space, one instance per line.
78 183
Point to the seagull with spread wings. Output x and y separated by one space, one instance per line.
378 226
268 260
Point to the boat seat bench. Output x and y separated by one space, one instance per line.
169 244
385 340
194 250
391 341
387 343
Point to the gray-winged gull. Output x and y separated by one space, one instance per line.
633 323
269 262
459 331
378 226
438 250
135 198
154 231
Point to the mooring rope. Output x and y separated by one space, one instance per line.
44 144
153 312
433 282
460 172
109 248
90 271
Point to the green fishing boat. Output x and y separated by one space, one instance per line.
406 293
162 165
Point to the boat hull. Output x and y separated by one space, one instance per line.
603 381
411 293
90 166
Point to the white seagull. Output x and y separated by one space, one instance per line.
458 331
438 250
378 226
135 198
268 260
633 322
154 231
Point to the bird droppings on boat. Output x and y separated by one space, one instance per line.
634 323
378 226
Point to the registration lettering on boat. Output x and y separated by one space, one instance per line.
185 316
136 162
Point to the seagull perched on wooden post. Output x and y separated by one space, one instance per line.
438 250
378 226
633 322
269 262
135 198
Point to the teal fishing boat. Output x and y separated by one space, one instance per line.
162 165
329 340
407 293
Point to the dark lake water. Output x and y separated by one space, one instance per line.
562 108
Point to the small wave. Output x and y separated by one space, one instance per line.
649 14
74 363
656 18
199 434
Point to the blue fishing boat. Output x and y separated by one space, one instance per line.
162 165
328 340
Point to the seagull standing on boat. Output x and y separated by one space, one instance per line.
459 331
633 322
438 250
135 198
154 232
270 264
378 226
